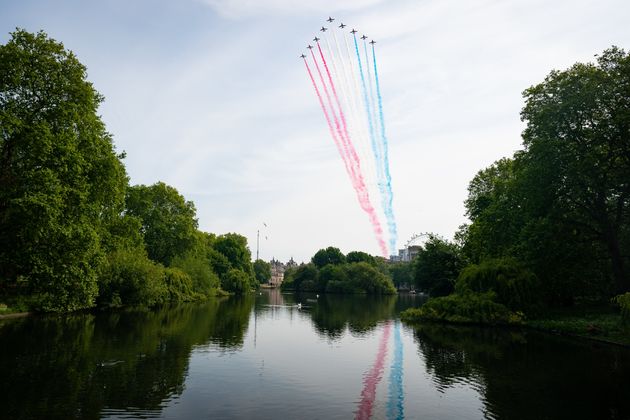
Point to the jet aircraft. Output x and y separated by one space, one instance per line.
372 42
316 39
323 29
310 47
330 19
302 56
364 37
353 31
342 26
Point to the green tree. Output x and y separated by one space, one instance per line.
360 256
129 277
334 275
330 255
204 280
514 286
236 281
168 221
262 271
365 278
305 278
494 207
401 274
437 266
60 178
234 247
577 152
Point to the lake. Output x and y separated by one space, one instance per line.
335 357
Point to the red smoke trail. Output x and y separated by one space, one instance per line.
371 380
343 152
347 143
355 162
330 126
348 153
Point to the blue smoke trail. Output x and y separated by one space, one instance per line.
395 401
373 139
388 209
365 96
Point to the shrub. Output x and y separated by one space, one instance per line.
368 279
204 280
128 277
331 273
236 281
514 286
179 285
470 308
305 277
624 305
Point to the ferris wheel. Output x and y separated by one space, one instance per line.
417 240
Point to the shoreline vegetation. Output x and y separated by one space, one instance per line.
548 243
76 234
330 271
601 324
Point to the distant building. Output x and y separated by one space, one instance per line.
277 271
406 254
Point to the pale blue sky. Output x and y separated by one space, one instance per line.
210 97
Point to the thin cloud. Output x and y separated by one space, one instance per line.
240 9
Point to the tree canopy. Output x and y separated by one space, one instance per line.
72 232
168 221
330 255
562 204
60 178
262 271
437 266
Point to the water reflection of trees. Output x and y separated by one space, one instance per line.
529 375
331 314
75 366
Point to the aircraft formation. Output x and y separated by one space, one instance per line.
341 26
346 82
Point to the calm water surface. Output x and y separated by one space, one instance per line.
336 357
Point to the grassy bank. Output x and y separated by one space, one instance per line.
596 322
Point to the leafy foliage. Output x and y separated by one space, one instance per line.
60 179
401 274
203 280
514 286
561 206
437 266
624 304
168 220
360 256
367 279
131 278
305 278
330 255
262 271
472 308
236 281
339 277
179 285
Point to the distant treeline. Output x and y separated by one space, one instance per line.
73 232
549 226
333 272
